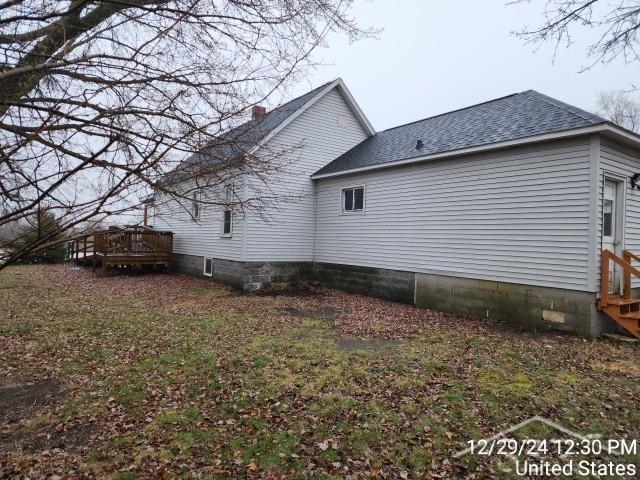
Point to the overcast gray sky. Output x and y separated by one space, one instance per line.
436 56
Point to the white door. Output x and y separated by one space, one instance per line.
609 229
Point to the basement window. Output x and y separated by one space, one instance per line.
353 199
208 267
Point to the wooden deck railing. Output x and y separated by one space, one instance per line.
628 271
122 246
133 241
628 257
80 248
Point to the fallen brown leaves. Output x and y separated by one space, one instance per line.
165 376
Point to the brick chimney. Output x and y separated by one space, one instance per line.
257 111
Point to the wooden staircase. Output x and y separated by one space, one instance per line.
624 309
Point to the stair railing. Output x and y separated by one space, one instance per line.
628 270
628 257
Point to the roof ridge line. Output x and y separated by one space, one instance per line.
286 103
452 111
565 106
300 96
252 123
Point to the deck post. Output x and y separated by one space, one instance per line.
604 278
627 275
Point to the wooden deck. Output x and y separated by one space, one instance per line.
122 247
622 306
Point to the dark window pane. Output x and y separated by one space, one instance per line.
607 218
227 222
208 266
348 200
358 200
195 207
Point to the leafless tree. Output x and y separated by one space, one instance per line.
619 107
615 24
100 99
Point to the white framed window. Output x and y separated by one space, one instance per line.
352 199
226 228
195 206
227 223
227 194
207 268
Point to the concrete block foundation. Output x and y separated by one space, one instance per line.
526 306
377 282
244 275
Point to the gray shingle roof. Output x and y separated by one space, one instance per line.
238 141
513 117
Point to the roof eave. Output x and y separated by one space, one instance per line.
621 134
366 124
607 128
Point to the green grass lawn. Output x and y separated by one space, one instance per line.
162 376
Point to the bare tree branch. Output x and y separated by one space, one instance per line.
99 100
620 108
614 24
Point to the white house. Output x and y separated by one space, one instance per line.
499 209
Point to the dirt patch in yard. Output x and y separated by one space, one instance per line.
21 400
619 366
319 313
292 291
355 344
72 437
23 425
25 422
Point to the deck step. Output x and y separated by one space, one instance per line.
621 308
622 301
618 308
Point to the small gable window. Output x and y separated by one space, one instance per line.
227 214
353 199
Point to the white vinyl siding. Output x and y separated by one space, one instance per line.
323 132
201 238
621 163
518 216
